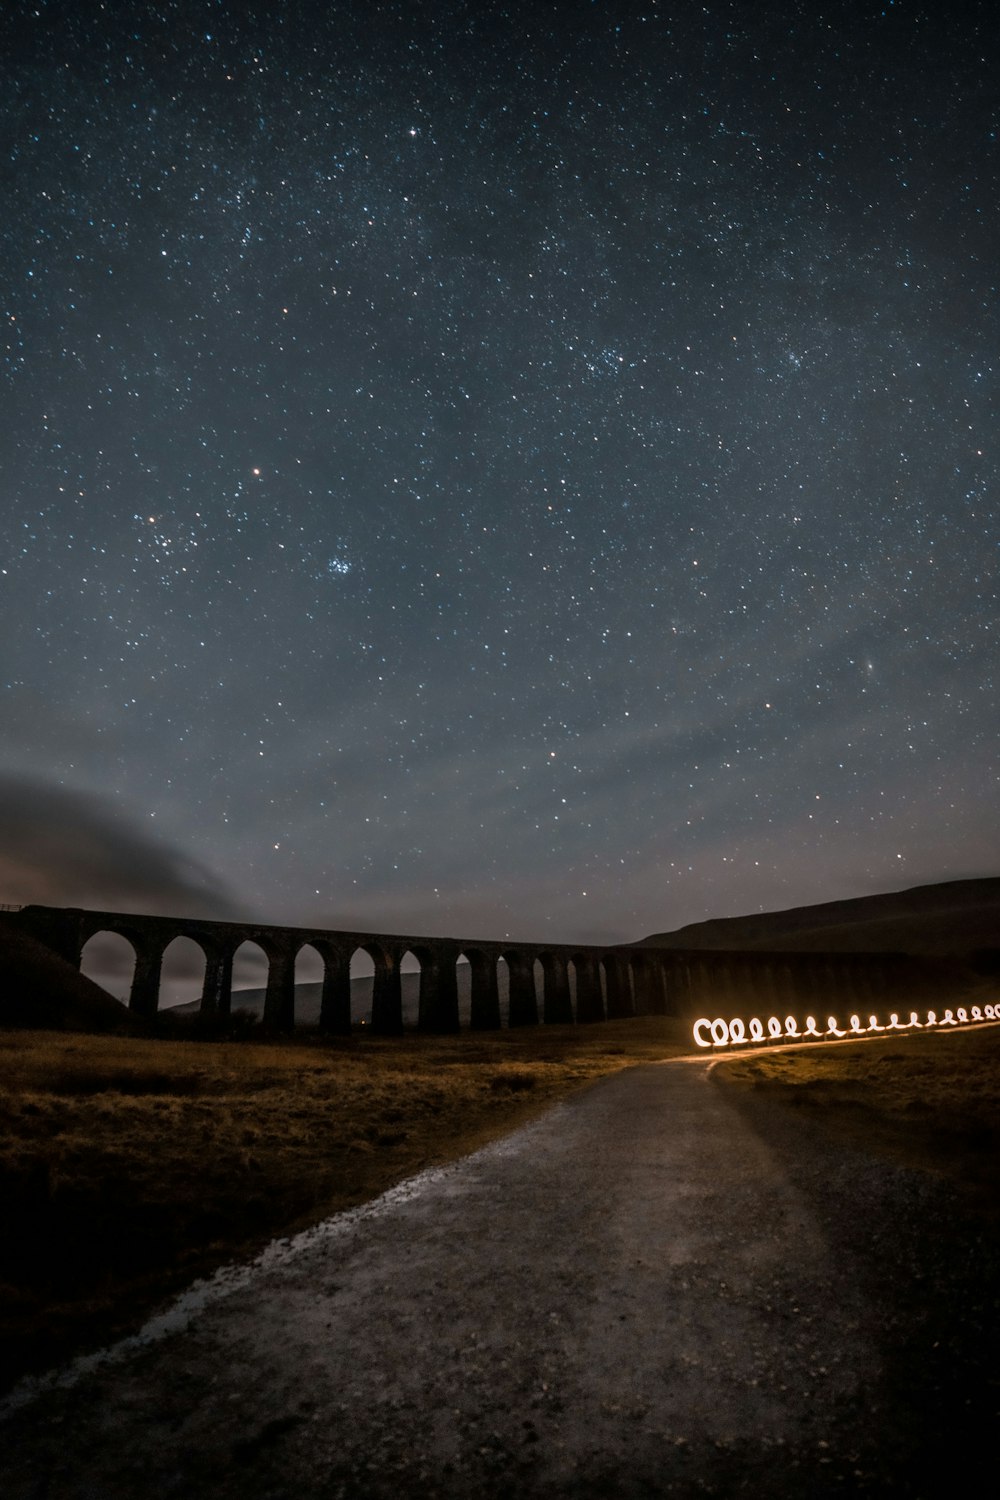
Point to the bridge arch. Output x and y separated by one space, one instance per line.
335 993
147 945
110 958
249 968
387 1001
309 968
362 966
413 966
184 967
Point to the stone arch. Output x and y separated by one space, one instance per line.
522 1000
484 990
412 962
308 964
362 966
184 968
144 992
248 967
308 972
110 959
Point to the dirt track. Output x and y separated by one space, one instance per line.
655 1289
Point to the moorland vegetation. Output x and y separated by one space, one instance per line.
130 1165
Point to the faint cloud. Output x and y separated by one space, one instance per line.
64 847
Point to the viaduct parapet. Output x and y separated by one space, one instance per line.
580 983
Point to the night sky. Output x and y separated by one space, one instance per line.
513 469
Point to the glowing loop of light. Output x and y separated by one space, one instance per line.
722 1033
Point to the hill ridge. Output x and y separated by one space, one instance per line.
955 916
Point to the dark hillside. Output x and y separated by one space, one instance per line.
956 917
40 989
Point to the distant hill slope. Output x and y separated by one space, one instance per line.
38 988
955 917
309 995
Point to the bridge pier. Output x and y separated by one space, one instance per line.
144 997
335 1000
658 980
558 1005
589 1000
523 1002
279 998
217 991
387 1001
438 993
484 1002
619 993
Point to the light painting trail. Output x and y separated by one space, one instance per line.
722 1033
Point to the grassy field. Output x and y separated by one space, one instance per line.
128 1166
931 1101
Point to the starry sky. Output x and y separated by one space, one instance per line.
497 469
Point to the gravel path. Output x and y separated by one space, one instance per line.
659 1288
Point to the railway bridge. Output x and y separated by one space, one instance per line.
554 983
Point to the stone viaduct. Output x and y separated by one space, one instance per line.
579 983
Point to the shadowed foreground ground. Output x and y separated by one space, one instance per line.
129 1165
664 1286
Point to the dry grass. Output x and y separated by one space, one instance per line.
129 1166
930 1101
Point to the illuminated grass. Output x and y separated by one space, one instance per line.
928 1100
